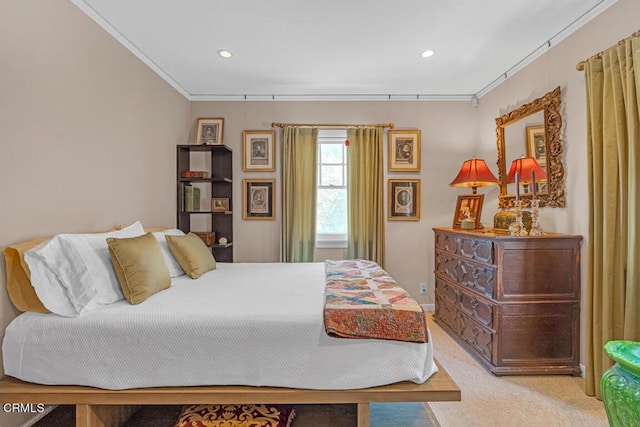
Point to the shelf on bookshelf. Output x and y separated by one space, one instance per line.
214 179
226 245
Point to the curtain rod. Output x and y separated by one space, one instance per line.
333 125
580 65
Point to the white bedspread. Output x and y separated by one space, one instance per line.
242 324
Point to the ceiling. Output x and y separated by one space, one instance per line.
357 49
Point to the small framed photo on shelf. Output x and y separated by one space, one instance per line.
219 204
468 206
404 199
258 150
258 199
537 145
210 131
404 150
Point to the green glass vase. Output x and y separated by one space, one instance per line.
620 384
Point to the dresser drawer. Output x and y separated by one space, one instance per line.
469 303
465 246
474 335
470 274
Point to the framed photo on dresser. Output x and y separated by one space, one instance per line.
468 206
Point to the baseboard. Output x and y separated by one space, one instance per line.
429 307
37 417
582 371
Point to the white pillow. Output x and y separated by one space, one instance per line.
53 294
174 267
78 267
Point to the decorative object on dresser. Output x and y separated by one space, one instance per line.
512 302
474 173
216 184
258 150
404 150
524 170
258 199
404 199
210 131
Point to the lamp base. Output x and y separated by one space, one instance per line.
504 218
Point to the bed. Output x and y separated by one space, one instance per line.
242 333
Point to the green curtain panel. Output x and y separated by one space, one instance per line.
365 187
299 166
613 101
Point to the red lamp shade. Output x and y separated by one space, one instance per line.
474 173
524 166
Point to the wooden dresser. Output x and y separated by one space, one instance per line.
512 302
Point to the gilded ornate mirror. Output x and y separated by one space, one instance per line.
532 130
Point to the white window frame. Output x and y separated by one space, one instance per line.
331 136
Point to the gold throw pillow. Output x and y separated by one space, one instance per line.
192 254
139 265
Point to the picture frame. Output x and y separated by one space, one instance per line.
258 199
220 204
537 145
468 205
210 131
258 150
404 150
403 199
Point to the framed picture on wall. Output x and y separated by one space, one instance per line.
404 199
210 131
258 150
468 206
258 199
404 150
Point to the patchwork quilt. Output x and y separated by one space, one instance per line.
363 301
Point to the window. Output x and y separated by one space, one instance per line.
331 216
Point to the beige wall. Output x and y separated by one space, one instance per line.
558 68
448 138
87 131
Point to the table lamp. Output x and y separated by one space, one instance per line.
474 173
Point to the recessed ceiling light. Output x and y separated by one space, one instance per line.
225 53
427 53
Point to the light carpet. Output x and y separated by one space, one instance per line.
523 401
